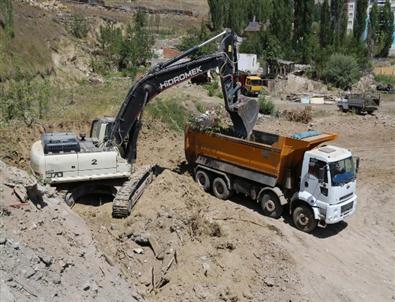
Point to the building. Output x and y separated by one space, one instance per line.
350 12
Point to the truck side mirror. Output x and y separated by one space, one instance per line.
356 164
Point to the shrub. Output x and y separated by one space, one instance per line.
341 71
385 79
79 27
24 99
171 113
265 106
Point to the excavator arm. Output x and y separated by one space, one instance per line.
243 111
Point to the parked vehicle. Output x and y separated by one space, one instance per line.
251 85
316 183
359 103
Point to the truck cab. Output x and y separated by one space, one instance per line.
253 85
327 185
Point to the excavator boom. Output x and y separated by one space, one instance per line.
243 111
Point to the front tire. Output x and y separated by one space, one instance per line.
203 179
271 205
220 189
303 218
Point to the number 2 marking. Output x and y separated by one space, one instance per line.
94 162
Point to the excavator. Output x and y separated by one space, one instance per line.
102 163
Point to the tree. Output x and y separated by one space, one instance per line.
360 19
387 28
303 18
281 23
196 36
325 25
216 13
341 70
374 31
338 27
7 12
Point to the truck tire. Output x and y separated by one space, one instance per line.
271 205
203 179
220 188
303 218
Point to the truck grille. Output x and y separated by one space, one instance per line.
346 207
345 197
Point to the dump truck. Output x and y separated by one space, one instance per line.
251 85
315 182
359 103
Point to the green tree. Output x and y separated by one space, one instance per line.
281 23
360 19
387 28
216 13
341 70
338 26
7 13
325 25
194 37
303 19
374 36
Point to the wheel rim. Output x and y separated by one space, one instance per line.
303 219
269 205
202 180
220 188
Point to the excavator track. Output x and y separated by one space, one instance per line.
131 191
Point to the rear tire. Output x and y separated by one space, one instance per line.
203 179
271 205
220 189
303 218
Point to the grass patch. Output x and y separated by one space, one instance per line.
172 113
385 79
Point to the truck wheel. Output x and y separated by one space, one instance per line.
220 189
203 179
303 218
271 205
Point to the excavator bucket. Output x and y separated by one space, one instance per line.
244 114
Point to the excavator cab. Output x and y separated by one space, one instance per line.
101 129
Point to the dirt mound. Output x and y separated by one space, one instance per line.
47 253
182 244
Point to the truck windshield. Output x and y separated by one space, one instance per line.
256 82
342 171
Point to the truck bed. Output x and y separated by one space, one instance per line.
266 153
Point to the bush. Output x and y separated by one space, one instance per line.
341 71
24 99
265 106
213 88
79 27
171 113
385 79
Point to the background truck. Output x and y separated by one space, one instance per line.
359 103
251 85
317 183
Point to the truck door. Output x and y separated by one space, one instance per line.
312 182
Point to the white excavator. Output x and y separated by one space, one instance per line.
102 163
